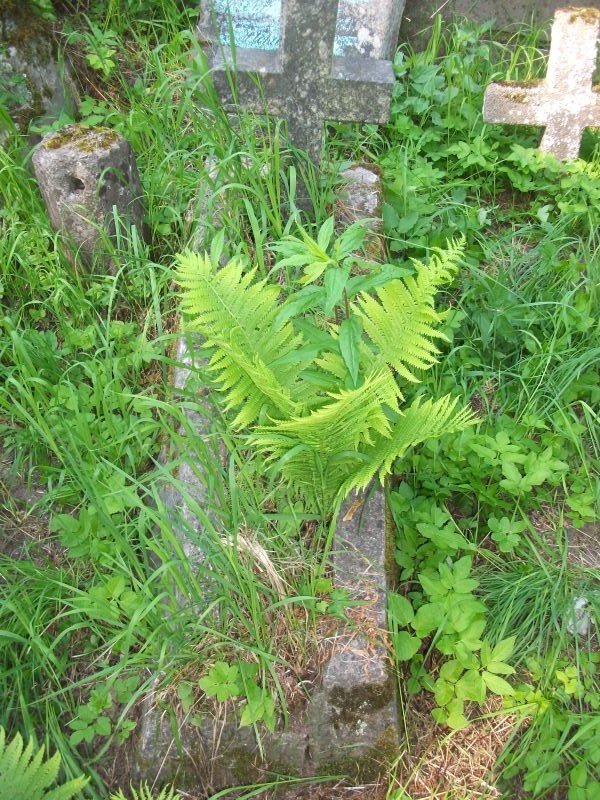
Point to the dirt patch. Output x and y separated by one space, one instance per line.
583 542
584 545
24 529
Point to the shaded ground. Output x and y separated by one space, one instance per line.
24 531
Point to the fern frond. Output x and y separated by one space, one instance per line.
349 421
401 322
317 477
248 384
255 358
24 775
333 364
419 422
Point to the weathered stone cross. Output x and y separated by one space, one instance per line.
303 82
565 102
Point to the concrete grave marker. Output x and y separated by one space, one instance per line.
84 173
303 81
565 102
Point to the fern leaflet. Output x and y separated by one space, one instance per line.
419 422
237 317
401 321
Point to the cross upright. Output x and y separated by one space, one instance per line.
303 82
565 102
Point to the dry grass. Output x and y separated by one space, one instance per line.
457 765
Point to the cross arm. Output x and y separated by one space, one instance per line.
512 102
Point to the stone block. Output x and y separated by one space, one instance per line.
303 81
419 14
361 197
349 724
83 173
31 84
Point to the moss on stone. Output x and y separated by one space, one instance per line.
351 704
370 765
86 139
243 766
520 84
390 567
588 15
30 37
518 97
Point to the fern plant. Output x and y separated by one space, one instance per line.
324 403
27 776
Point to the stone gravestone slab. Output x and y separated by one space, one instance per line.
565 102
363 28
302 81
349 725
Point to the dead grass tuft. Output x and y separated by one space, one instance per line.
459 765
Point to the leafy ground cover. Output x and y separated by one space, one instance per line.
495 617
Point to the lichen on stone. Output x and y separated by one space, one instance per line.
531 84
87 139
587 15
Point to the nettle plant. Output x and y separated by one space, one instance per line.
318 371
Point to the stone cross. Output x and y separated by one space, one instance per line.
303 81
565 102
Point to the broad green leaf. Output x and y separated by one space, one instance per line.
499 668
325 233
456 718
503 649
451 670
400 609
485 653
465 655
302 301
444 692
427 619
349 340
462 567
433 586
405 645
497 685
103 726
366 283
471 637
221 681
511 472
334 282
313 271
470 686
351 239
